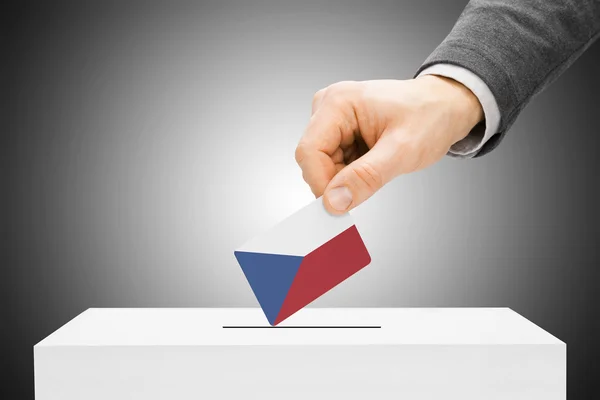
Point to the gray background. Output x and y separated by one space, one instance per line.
142 143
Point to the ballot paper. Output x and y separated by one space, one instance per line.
300 259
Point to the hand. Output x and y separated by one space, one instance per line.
364 134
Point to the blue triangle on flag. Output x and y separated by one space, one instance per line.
270 277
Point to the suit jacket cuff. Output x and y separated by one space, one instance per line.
471 145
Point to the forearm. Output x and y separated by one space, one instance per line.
518 47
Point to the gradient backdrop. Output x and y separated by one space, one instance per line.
143 142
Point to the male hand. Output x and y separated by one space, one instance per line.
364 134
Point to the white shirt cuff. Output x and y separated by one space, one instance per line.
470 145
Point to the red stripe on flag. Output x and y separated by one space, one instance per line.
323 269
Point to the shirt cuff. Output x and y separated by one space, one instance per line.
470 145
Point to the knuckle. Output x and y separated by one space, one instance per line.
300 152
338 88
336 100
305 177
369 176
341 94
318 95
341 85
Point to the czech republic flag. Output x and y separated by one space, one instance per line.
300 259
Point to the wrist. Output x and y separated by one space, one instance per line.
462 102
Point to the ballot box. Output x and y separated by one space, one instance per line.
339 353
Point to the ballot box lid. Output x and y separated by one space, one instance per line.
311 326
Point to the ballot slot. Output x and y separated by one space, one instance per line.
303 327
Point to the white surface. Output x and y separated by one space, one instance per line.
300 233
152 354
472 143
204 327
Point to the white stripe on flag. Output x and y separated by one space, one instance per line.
300 233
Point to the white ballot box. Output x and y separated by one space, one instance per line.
345 353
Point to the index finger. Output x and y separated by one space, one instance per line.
319 152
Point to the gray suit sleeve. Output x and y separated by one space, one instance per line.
518 47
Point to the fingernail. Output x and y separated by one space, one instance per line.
340 198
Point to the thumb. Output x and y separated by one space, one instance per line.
358 181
